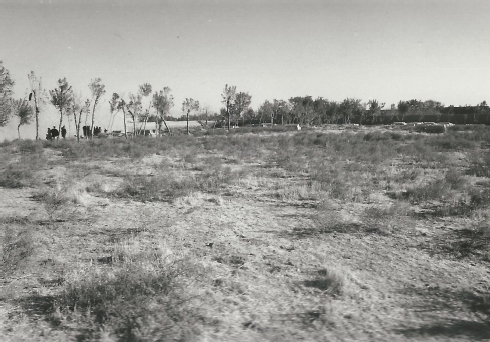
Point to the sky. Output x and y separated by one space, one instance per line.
273 49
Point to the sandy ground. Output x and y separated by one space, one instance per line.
397 288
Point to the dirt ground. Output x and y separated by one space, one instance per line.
263 259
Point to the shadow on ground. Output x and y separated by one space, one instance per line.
452 329
459 244
435 299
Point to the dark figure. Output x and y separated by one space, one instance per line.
48 135
105 130
63 132
54 132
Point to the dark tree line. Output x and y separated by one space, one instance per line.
305 110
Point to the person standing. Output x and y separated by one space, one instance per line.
54 132
63 132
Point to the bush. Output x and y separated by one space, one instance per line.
452 141
435 190
13 177
18 242
30 146
136 299
329 280
434 129
481 167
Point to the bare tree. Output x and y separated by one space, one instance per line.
22 110
114 108
204 110
229 96
98 90
61 98
122 106
133 108
78 107
145 91
163 101
38 95
187 106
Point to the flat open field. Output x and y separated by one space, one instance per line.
319 235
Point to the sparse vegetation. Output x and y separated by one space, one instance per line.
280 235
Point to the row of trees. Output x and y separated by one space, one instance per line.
305 110
142 107
68 102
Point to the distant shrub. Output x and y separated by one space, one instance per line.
154 188
434 129
459 128
435 190
30 146
454 179
429 129
452 141
480 167
382 220
376 136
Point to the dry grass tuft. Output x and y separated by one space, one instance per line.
329 280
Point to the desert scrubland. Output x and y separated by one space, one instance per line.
325 234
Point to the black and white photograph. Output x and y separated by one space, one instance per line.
245 170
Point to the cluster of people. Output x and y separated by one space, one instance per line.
87 132
53 133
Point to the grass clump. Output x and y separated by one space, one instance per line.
383 220
329 280
435 190
140 296
18 242
480 166
154 188
29 147
16 176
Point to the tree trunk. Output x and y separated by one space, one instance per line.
228 113
93 120
144 126
37 115
59 128
69 126
76 125
18 130
165 123
187 122
124 116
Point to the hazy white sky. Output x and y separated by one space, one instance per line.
380 49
